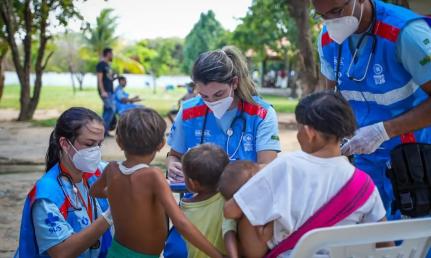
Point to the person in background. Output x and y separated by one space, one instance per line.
122 100
190 94
105 86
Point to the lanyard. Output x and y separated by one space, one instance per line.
371 34
230 128
77 192
89 206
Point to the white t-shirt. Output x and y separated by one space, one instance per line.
293 187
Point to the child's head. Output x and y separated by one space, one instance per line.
323 117
235 175
202 167
141 131
122 81
77 128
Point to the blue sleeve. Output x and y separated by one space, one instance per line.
325 67
267 137
414 50
176 135
49 225
120 94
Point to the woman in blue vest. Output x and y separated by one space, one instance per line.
378 56
60 218
226 112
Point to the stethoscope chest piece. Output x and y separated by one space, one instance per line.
229 132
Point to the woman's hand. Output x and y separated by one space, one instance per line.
175 173
175 169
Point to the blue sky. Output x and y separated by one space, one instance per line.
140 19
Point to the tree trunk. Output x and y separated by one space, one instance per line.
80 78
299 11
28 103
262 75
1 82
154 83
2 78
72 79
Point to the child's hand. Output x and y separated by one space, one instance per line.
265 232
231 244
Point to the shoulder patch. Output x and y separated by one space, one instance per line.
387 31
194 112
255 110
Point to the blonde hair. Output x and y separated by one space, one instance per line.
223 66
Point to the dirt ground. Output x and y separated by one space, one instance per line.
22 151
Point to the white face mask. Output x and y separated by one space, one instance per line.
220 107
340 29
87 160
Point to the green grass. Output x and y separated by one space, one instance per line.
62 98
45 122
281 104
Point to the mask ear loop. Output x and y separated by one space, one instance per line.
362 12
353 9
72 146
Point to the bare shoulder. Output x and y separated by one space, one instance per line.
150 174
111 168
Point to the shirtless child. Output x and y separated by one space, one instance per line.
139 195
235 175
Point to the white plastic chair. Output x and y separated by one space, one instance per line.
358 241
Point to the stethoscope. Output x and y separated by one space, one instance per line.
229 131
91 201
370 33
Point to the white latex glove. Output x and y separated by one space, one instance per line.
366 140
108 217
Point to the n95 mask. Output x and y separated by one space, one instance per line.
340 29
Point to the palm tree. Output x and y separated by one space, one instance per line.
103 34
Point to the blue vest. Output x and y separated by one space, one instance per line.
198 117
49 189
388 90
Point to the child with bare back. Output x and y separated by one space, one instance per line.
235 175
139 195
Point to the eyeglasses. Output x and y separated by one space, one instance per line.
335 12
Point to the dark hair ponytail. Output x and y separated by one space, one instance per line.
68 125
328 113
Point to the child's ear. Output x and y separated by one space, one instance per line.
310 132
162 144
192 184
117 139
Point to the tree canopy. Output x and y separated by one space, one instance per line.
27 22
207 34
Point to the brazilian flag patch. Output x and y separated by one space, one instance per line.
275 138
